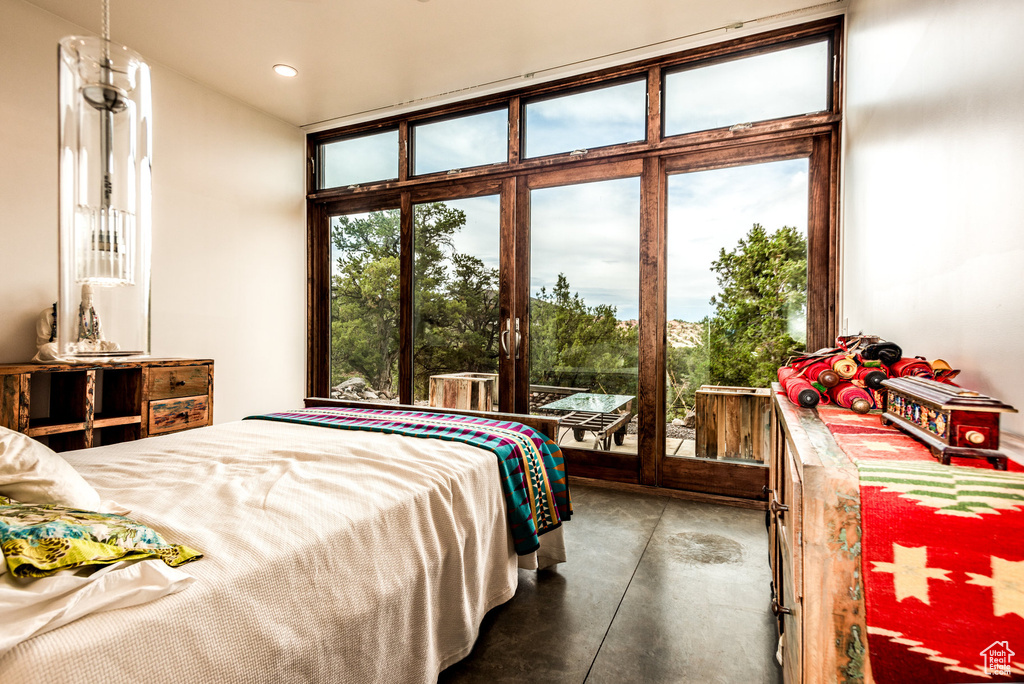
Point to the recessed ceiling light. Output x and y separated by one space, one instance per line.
285 70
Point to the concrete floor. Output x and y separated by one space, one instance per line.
655 590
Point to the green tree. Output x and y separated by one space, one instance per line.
573 344
364 298
763 285
455 303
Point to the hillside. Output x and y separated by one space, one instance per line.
684 334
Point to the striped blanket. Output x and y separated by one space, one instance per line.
532 470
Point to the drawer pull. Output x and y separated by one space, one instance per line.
180 383
775 507
779 609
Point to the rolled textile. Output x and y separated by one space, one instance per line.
943 372
911 367
848 395
886 352
799 390
872 377
817 371
844 366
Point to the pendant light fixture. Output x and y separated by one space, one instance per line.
105 189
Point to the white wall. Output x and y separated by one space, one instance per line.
229 267
934 185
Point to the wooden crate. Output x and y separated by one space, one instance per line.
733 422
467 391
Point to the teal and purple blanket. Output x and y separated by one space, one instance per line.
532 470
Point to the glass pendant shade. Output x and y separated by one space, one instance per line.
105 188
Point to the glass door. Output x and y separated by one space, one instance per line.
735 309
363 322
583 302
457 332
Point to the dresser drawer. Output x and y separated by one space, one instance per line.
168 415
178 381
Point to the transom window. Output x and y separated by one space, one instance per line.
461 142
360 159
597 117
740 91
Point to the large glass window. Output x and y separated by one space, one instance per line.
786 82
585 120
456 315
364 313
584 310
737 283
363 159
731 246
460 142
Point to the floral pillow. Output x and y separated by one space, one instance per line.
42 539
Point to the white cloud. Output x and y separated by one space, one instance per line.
712 210
781 83
593 118
591 233
462 142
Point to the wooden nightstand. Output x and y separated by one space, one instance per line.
83 405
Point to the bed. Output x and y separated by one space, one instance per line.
329 556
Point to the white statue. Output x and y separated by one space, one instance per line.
90 333
46 338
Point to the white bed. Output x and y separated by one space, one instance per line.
330 556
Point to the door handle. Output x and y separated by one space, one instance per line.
503 338
519 338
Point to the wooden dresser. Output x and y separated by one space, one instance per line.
76 406
814 535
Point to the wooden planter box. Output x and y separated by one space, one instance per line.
467 391
733 422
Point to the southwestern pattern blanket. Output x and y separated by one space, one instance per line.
532 469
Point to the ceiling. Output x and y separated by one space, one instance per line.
359 59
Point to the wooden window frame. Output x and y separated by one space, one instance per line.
816 136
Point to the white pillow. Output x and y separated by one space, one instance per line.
30 472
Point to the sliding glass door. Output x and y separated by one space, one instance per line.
736 273
365 305
584 320
456 303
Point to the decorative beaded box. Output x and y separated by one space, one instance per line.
952 421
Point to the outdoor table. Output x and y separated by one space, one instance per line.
604 415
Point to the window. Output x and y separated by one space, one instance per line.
456 318
363 159
364 305
534 274
585 302
592 118
461 142
736 300
748 89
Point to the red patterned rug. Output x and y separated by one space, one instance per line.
942 558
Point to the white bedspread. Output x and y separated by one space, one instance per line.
330 556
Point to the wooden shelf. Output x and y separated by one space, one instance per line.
116 420
48 428
77 406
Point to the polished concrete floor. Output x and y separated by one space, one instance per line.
655 590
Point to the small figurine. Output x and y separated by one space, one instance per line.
46 337
90 334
